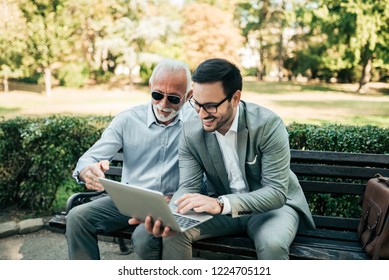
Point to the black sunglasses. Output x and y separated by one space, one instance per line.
174 99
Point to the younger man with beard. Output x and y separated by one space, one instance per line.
243 149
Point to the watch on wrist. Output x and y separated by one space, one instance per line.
220 201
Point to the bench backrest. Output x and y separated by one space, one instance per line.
334 173
338 174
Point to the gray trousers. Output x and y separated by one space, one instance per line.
86 221
272 233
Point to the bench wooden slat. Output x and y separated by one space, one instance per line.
114 171
308 252
333 171
352 246
58 222
329 234
332 187
301 248
336 222
340 158
235 245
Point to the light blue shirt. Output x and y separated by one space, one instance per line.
150 149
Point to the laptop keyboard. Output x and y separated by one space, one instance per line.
185 222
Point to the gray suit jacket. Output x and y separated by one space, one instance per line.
264 159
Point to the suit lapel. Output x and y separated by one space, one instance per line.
216 155
217 159
242 137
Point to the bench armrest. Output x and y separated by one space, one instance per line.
81 198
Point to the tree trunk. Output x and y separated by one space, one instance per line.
365 77
280 58
5 84
47 72
281 43
261 66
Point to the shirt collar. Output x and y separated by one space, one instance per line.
234 125
152 119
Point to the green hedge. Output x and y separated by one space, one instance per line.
339 138
37 156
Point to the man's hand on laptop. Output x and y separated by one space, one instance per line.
198 203
91 173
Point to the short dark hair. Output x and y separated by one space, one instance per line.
218 69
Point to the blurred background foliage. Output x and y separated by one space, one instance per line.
81 42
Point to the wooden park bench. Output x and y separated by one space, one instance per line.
321 174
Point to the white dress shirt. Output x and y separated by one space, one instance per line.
229 147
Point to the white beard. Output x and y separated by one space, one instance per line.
162 118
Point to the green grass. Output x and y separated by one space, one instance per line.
322 103
292 87
294 102
382 121
318 87
360 107
8 110
67 188
353 112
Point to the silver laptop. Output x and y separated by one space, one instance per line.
139 203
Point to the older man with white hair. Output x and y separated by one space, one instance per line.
148 135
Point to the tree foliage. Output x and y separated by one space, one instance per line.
74 41
264 25
49 34
11 34
209 32
346 39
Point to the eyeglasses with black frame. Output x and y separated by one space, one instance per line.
210 108
174 99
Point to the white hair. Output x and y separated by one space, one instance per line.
173 65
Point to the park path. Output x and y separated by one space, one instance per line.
48 245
